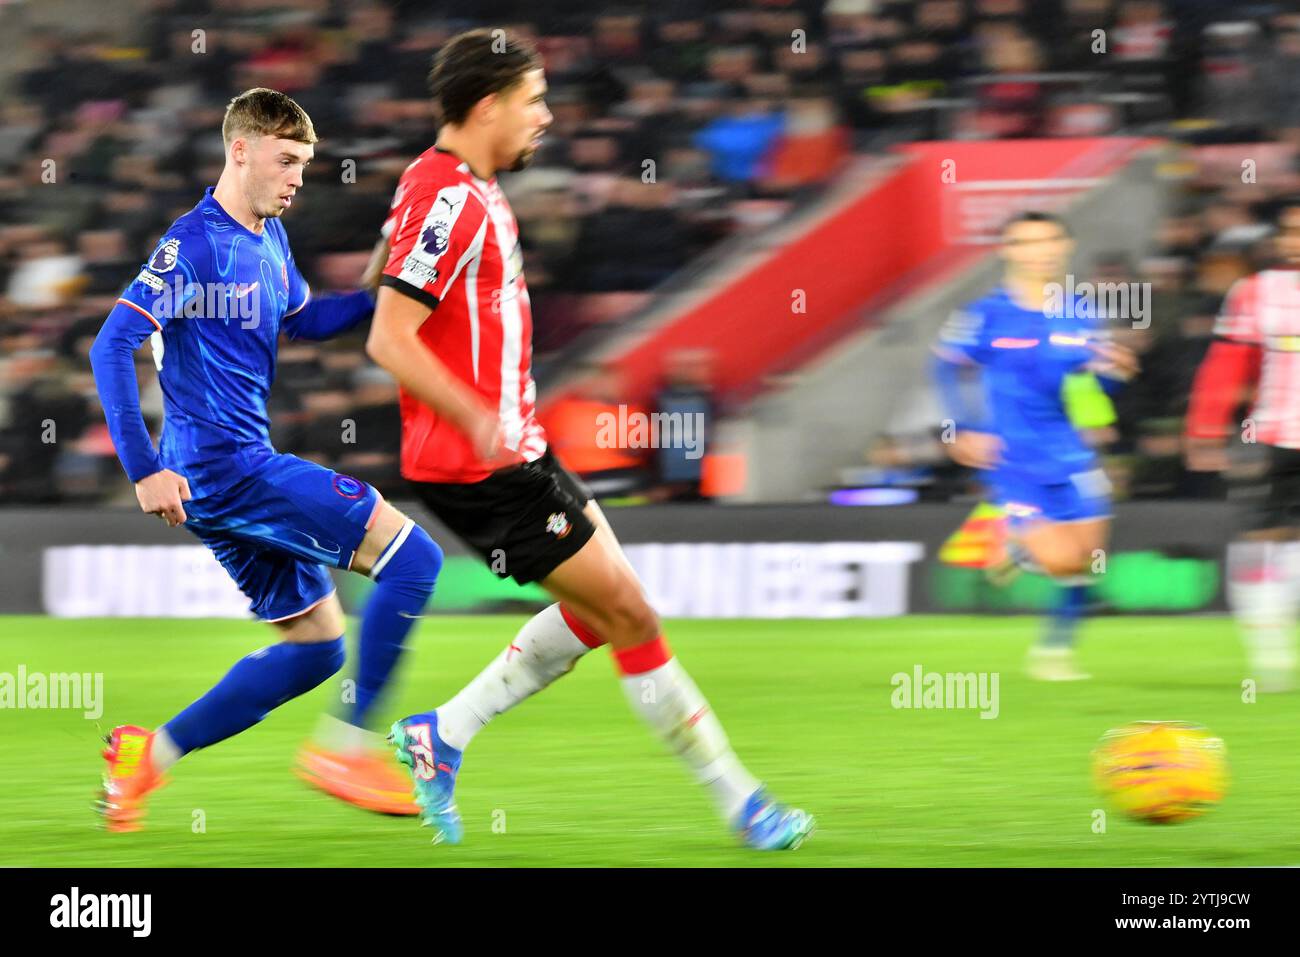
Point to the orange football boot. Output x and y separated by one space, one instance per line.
365 778
129 779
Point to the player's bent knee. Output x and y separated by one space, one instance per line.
631 621
1063 564
1053 565
387 525
1057 556
412 559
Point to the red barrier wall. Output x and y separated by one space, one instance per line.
921 221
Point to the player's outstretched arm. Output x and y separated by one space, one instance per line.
956 366
329 316
1225 375
972 444
112 359
395 345
333 315
955 394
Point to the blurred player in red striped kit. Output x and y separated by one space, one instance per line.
1257 350
453 325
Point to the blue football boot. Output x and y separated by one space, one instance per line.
765 825
433 765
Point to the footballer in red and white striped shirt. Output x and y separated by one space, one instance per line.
1257 350
1259 345
454 246
452 324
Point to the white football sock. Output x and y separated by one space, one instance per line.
343 737
1262 589
1289 569
545 649
163 753
1289 558
671 703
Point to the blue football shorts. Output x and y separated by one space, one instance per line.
1084 497
279 527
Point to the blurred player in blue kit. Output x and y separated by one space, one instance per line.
1019 343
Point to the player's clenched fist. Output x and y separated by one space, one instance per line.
1114 361
1205 454
484 432
162 494
976 450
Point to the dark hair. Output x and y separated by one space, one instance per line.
476 64
263 112
1035 216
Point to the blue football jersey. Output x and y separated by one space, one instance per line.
218 296
1025 356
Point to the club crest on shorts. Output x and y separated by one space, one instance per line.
348 487
558 524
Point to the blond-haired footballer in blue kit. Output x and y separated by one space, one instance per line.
215 295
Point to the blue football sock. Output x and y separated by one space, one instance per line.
257 684
1070 605
405 574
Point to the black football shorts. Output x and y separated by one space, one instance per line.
1273 500
525 520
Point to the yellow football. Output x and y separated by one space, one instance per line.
1161 772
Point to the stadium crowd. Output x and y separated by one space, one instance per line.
675 130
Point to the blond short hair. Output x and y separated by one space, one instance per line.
263 112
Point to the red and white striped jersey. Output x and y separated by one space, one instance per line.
455 248
1264 310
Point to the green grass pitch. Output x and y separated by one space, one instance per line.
571 777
